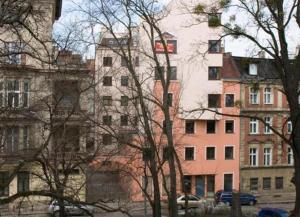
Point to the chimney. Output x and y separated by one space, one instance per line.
262 54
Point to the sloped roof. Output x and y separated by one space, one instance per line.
229 69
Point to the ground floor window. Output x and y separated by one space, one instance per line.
187 182
23 181
147 184
279 182
266 183
228 182
253 184
4 183
210 187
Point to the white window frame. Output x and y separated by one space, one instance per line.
268 96
267 130
252 69
206 153
290 156
268 156
289 127
194 148
253 154
253 124
253 96
233 152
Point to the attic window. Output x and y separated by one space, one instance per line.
252 69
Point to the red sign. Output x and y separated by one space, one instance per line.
160 48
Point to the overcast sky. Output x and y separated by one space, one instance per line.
237 47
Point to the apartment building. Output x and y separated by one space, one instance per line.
266 162
206 143
44 108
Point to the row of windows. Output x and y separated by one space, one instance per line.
189 153
124 120
267 93
107 81
210 126
214 100
267 156
14 139
266 183
108 61
254 125
107 101
22 182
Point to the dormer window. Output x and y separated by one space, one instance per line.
252 69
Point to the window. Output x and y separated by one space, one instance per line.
267 156
4 183
170 100
253 184
210 153
147 184
66 139
210 126
159 73
214 73
66 93
25 138
229 153
107 81
107 120
166 152
279 183
229 126
12 139
23 181
189 153
26 93
189 127
123 61
253 157
14 50
187 182
165 127
137 61
229 100
214 46
107 61
124 120
253 126
106 139
210 184
214 100
267 95
214 20
171 46
268 121
173 73
290 156
289 127
107 100
228 182
124 81
124 100
266 183
254 99
252 69
13 93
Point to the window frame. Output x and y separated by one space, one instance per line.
206 153
226 147
267 129
210 72
233 127
225 101
214 43
186 128
254 94
107 61
215 127
253 157
268 95
267 187
193 148
253 124
268 158
107 81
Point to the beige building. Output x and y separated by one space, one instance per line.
45 107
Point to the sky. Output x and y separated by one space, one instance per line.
237 47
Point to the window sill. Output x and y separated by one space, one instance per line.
254 134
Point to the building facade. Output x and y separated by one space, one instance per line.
44 109
266 162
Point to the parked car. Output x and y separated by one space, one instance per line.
193 201
272 212
70 209
226 197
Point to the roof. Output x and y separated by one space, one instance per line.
229 69
58 6
266 68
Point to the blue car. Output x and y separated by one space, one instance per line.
272 212
226 197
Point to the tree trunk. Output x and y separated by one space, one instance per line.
236 210
156 209
296 211
173 209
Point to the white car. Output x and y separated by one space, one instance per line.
193 201
70 209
